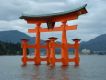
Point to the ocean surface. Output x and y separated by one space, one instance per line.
92 67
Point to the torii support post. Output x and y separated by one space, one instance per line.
52 58
24 49
76 48
64 46
37 59
48 51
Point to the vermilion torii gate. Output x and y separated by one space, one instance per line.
50 45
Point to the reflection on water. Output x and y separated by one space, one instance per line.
44 72
91 68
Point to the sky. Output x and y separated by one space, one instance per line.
90 25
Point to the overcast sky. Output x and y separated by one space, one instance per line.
89 26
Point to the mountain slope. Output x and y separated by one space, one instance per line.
96 44
15 36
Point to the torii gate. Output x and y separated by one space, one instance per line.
50 45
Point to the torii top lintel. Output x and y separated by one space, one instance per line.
55 17
50 19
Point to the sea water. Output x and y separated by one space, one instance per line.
92 67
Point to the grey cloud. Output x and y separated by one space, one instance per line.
12 9
13 25
89 25
48 1
92 24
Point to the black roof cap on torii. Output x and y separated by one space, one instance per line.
50 19
53 14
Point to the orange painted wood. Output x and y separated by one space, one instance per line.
58 45
64 46
31 46
37 50
30 59
48 51
74 27
70 16
43 59
76 49
34 46
52 51
58 60
70 45
43 46
24 49
71 59
50 47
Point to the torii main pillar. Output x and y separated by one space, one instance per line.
37 50
64 44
